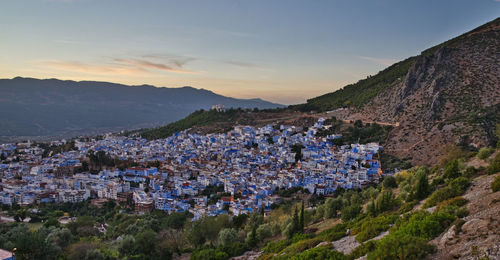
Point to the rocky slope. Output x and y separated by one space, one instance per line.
449 94
477 234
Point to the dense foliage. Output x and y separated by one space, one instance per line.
361 92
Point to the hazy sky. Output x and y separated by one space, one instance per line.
284 51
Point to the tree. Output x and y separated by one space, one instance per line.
126 246
33 245
301 218
252 236
227 236
452 170
145 242
21 214
422 188
351 212
239 221
389 182
264 231
295 221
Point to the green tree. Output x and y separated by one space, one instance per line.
126 246
227 236
351 212
145 242
301 218
422 187
452 170
389 182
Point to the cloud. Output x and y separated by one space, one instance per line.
98 69
381 61
242 64
122 66
175 66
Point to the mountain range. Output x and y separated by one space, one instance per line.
33 108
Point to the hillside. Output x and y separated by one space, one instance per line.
57 108
449 93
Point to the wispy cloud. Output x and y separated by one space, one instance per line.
242 64
144 65
382 61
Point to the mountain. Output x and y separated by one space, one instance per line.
34 108
449 94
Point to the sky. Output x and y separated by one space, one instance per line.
283 51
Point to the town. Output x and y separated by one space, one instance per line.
187 171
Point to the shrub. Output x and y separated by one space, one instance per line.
319 253
371 227
276 246
460 185
401 246
457 201
452 170
484 153
495 186
438 196
425 225
227 236
335 233
389 182
209 254
300 246
351 212
456 187
495 165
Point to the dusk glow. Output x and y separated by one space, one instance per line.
282 51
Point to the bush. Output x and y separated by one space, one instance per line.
401 246
484 153
457 201
319 253
460 185
495 165
351 212
495 186
335 233
425 225
300 246
209 254
371 227
276 246
456 187
452 170
227 236
389 182
438 196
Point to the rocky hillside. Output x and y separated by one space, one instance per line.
448 94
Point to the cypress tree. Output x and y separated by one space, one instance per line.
301 220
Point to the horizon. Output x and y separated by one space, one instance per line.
283 54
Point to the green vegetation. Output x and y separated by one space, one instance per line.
361 92
357 132
197 118
494 165
484 153
495 186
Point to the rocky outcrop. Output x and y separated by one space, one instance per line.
450 94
